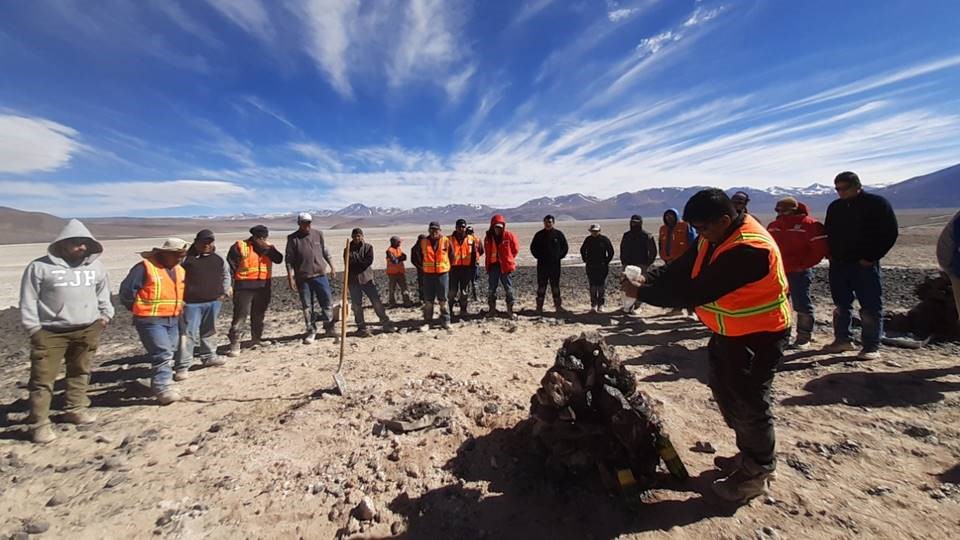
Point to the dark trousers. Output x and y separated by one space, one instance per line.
740 374
460 279
252 304
849 280
548 272
357 291
597 277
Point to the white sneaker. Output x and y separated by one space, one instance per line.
309 339
839 347
869 354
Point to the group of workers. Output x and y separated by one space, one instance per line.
742 279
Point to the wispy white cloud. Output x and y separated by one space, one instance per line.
330 29
266 109
111 198
250 15
319 157
29 144
529 10
622 14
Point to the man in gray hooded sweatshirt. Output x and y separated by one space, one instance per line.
64 305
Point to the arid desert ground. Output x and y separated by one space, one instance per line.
264 448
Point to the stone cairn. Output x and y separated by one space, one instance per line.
589 415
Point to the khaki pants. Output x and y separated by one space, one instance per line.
47 351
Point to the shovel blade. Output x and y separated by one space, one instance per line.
341 383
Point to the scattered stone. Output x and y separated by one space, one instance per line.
115 481
127 441
20 535
103 439
396 528
166 517
57 499
491 408
918 432
190 450
366 510
394 455
110 464
879 491
215 427
35 526
703 447
316 489
801 467
767 533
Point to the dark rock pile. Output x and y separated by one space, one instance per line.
935 315
589 415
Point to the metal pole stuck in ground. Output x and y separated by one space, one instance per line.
344 313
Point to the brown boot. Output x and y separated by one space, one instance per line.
740 486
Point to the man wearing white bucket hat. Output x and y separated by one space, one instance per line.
153 290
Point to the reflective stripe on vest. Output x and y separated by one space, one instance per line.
435 262
761 306
252 266
394 268
160 296
462 252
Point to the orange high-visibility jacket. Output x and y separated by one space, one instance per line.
394 269
761 306
436 262
160 296
679 240
252 266
463 253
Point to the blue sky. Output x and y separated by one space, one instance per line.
176 107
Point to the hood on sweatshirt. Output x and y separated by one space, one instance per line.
673 211
802 209
498 218
74 229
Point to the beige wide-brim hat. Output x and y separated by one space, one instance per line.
176 245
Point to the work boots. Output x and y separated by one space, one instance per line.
558 305
540 305
427 312
43 434
234 349
804 329
491 307
741 486
510 314
464 311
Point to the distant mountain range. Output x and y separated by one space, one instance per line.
940 189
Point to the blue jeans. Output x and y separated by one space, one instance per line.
160 337
198 331
494 278
435 287
316 287
849 280
800 291
357 290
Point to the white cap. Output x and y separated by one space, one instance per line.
304 216
594 227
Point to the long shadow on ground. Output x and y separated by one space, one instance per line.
871 389
523 501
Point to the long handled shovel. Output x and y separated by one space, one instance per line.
344 313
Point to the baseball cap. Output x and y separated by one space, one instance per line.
434 225
304 217
594 227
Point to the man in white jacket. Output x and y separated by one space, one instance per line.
64 305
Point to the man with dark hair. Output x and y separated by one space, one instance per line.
435 256
360 282
861 228
948 256
466 251
637 247
734 278
309 271
251 262
397 272
740 200
549 247
206 285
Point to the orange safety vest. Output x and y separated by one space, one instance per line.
160 296
463 252
436 262
679 241
761 306
252 266
394 268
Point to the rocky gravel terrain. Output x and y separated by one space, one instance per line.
265 448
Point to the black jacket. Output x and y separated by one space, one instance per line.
672 286
637 248
596 251
549 247
863 227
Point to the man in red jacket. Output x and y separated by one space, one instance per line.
501 248
803 243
